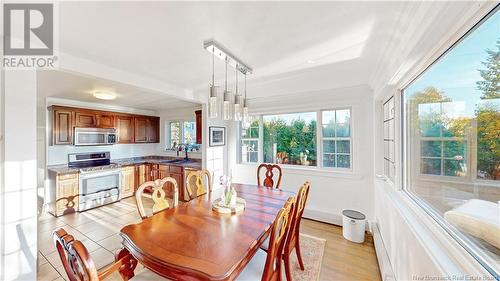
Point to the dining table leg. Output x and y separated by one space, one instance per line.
129 264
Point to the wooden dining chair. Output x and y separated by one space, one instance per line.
158 195
195 183
272 265
79 266
269 175
292 240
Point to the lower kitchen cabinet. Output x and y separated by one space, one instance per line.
64 198
128 182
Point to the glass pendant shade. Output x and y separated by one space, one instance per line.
246 117
238 108
226 106
213 102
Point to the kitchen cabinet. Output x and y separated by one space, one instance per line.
146 129
125 128
128 181
105 120
85 119
65 198
62 126
199 126
140 175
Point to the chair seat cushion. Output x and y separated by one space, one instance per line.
478 218
254 269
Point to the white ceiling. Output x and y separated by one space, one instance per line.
292 46
57 84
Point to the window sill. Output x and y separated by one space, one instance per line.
311 171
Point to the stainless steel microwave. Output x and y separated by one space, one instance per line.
94 136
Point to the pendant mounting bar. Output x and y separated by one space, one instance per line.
222 53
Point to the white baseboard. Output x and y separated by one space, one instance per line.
335 219
384 263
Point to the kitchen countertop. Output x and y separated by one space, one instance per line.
122 162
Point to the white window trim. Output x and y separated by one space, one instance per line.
319 143
168 142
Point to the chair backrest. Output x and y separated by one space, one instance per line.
279 231
269 175
195 183
296 217
158 195
74 257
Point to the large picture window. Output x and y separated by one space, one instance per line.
452 141
293 138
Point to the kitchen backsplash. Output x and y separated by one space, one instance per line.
58 154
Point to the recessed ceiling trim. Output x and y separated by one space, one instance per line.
221 52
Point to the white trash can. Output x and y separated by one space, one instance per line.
353 226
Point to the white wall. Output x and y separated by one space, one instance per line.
18 195
331 191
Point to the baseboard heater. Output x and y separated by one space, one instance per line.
384 263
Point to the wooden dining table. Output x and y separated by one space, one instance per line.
193 242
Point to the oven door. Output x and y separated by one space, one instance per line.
98 188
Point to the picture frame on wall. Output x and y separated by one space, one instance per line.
217 136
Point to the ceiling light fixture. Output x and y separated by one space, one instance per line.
237 102
246 117
104 95
213 100
226 104
222 53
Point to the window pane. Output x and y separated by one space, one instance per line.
329 146
431 148
250 141
344 146
342 130
189 133
343 161
290 138
431 166
452 125
329 160
175 134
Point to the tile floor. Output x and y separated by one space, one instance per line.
97 229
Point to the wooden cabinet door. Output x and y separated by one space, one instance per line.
125 129
141 129
199 126
62 127
152 131
66 194
85 119
180 183
105 121
128 182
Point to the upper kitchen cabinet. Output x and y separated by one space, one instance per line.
105 120
85 118
199 126
125 128
62 125
146 129
129 128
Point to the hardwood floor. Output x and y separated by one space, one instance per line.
343 260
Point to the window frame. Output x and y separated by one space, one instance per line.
259 143
319 141
469 246
384 139
168 132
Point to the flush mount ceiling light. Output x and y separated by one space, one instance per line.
104 95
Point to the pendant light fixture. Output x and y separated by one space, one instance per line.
238 106
226 104
246 117
213 100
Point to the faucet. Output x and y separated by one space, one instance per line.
185 147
